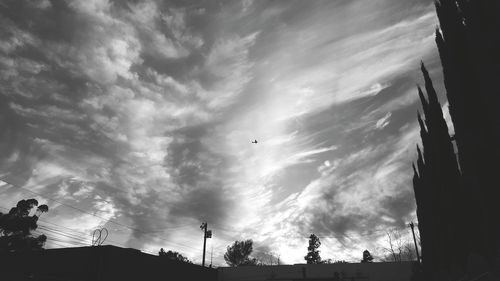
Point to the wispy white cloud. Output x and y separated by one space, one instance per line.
384 121
228 62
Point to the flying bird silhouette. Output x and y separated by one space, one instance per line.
255 141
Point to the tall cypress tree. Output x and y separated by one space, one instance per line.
438 180
456 201
468 45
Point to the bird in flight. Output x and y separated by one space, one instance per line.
255 141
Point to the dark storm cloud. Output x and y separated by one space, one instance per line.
12 134
350 200
63 103
213 203
186 155
146 213
400 206
46 81
201 175
48 97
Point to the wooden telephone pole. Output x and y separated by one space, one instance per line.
206 234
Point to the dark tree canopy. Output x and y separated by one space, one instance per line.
367 257
239 254
173 256
16 227
312 256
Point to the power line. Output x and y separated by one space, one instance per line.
80 232
112 221
84 239
77 231
61 239
55 233
177 227
107 220
76 241
59 244
73 243
63 244
69 206
114 188
60 233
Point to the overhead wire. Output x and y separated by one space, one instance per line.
60 243
61 233
61 236
107 220
69 229
217 226
70 206
112 221
176 244
78 209
62 239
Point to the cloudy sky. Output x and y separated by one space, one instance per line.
138 116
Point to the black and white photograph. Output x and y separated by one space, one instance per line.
249 140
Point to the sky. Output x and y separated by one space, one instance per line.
139 117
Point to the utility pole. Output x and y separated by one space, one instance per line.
414 240
206 234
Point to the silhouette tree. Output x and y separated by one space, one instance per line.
367 257
398 248
173 256
313 256
468 45
16 227
468 40
438 187
239 254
